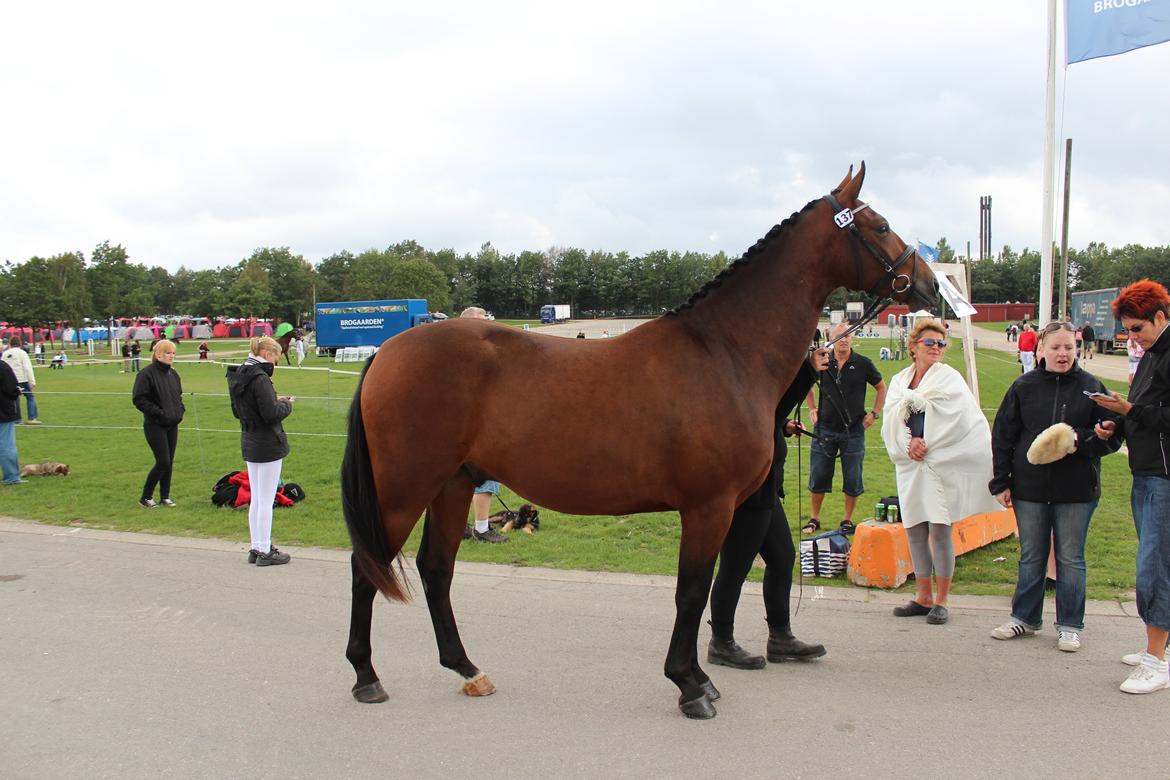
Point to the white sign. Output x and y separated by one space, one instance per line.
953 297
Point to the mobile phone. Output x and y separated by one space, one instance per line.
1094 395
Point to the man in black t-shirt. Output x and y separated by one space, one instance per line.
839 422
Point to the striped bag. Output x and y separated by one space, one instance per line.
825 555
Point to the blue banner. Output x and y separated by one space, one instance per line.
1102 28
927 253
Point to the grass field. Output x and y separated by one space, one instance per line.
90 423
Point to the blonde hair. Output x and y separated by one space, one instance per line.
265 344
161 347
920 327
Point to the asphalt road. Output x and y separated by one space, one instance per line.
126 655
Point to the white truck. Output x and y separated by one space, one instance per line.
554 312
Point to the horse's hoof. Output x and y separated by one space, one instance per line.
698 709
373 693
711 691
479 685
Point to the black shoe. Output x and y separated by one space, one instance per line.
912 609
938 615
147 503
783 646
727 652
273 557
490 535
847 527
252 555
469 531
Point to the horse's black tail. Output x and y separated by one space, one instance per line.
363 517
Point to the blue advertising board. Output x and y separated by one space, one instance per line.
366 323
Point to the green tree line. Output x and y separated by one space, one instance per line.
274 282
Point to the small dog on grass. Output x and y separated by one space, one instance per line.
44 469
526 518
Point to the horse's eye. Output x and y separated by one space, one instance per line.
885 228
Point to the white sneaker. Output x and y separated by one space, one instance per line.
1132 659
1146 679
1011 630
1068 641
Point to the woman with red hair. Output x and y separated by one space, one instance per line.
1144 309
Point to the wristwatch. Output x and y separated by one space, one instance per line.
874 412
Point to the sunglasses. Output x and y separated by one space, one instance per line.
1052 327
928 342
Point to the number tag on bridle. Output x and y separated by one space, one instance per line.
843 218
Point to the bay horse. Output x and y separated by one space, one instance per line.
675 414
285 341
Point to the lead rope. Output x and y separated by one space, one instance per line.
799 511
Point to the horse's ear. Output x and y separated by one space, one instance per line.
850 191
844 181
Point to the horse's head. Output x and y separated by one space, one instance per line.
885 266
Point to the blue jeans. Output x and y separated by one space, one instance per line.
9 464
27 392
1150 501
1038 524
850 446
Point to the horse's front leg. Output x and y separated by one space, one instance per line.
367 689
702 534
442 534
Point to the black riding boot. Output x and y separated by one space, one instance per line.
723 650
783 646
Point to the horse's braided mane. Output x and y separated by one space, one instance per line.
753 251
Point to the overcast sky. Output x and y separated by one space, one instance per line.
193 133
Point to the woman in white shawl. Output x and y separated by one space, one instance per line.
940 444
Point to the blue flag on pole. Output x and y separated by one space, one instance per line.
927 253
1102 28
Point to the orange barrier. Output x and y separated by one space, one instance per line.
880 555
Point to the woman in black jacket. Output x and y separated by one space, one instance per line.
262 441
158 394
760 527
1144 309
1053 484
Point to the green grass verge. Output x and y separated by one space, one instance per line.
90 423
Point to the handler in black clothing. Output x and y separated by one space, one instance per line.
158 394
759 526
1088 336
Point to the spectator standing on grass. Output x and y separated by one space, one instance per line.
135 355
1047 467
39 351
481 499
9 415
158 394
1027 348
125 357
263 442
1144 310
840 421
17 359
940 443
300 344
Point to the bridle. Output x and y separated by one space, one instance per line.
843 218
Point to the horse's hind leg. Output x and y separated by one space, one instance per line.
702 535
367 689
442 534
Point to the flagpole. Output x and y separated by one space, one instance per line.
1044 305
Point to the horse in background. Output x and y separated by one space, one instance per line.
284 334
675 414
